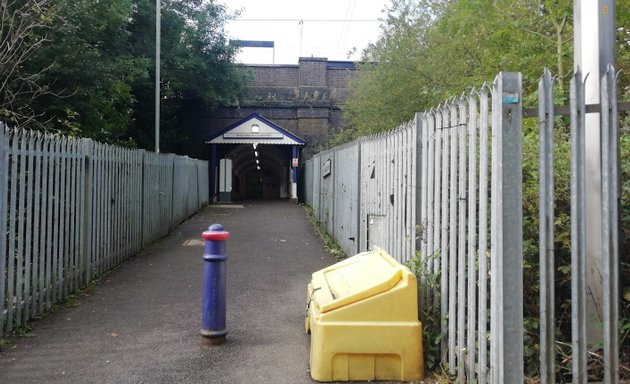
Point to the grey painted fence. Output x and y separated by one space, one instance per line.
364 192
448 187
71 209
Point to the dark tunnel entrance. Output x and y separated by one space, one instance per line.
254 159
260 173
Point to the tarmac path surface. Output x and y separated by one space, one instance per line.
141 323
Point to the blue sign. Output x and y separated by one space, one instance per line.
252 43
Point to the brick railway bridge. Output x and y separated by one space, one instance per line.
255 148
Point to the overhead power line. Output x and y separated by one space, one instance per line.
344 28
312 20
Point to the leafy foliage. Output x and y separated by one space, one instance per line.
434 49
89 67
430 50
429 311
22 34
195 66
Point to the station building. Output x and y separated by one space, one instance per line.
286 116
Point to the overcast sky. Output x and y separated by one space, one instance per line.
331 28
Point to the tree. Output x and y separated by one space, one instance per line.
90 69
435 49
393 80
196 67
22 32
87 67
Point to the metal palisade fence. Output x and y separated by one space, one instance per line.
363 192
71 209
448 188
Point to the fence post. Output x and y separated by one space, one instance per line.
483 234
171 200
506 311
462 196
472 233
578 230
3 217
87 148
357 242
610 223
330 218
420 189
442 115
452 240
142 175
546 233
420 185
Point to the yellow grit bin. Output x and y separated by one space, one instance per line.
362 314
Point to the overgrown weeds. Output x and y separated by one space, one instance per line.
430 314
331 246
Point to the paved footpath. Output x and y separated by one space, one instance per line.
141 323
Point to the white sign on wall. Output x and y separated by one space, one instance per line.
326 168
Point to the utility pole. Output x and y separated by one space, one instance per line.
301 24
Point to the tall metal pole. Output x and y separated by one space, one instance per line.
158 28
301 24
594 29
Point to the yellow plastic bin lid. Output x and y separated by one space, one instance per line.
357 278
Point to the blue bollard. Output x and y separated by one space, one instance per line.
213 324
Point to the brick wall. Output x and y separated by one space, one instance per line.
273 76
313 72
304 99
